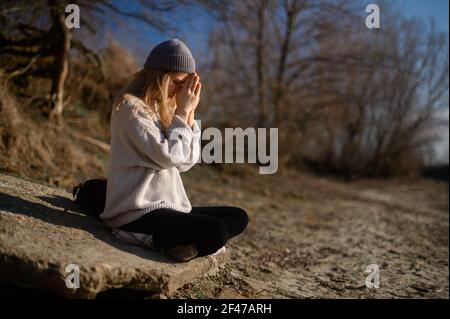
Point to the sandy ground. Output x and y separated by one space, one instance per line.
312 237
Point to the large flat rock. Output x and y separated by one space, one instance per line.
42 231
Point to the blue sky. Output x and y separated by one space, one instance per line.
438 9
194 27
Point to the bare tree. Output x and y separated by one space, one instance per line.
387 90
61 46
35 31
355 101
262 57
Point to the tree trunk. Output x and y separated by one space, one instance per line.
61 48
260 65
291 15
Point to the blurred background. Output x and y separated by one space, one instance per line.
348 101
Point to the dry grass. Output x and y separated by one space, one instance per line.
32 149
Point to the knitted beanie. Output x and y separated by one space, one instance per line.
172 55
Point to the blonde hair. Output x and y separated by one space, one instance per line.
151 86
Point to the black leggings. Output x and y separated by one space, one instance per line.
208 228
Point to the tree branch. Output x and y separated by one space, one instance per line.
80 47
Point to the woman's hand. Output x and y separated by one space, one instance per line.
189 96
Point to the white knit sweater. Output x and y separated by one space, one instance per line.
145 163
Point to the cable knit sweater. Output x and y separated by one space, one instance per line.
145 163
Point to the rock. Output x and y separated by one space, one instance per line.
43 231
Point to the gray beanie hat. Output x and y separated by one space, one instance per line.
172 55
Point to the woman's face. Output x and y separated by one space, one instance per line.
176 82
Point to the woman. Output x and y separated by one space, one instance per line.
154 137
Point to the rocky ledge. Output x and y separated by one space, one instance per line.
46 241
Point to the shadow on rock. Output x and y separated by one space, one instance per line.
69 214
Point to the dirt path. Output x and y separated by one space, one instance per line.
311 237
